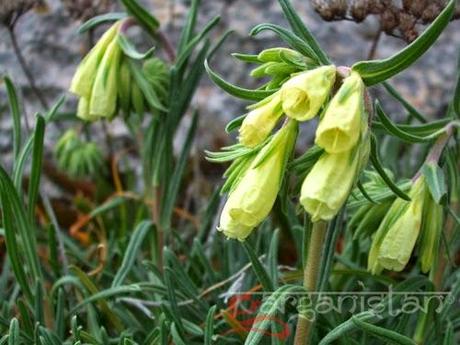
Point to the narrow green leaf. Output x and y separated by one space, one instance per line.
39 302
346 327
253 95
188 49
175 182
15 114
394 129
130 50
131 252
149 22
149 93
189 27
209 326
456 98
247 57
36 169
301 30
376 71
273 258
434 177
268 311
13 334
375 160
259 270
383 333
102 19
21 223
291 39
108 293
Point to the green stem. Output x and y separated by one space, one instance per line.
310 278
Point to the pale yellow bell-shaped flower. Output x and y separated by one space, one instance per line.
327 186
254 196
339 128
82 82
396 236
103 101
260 121
304 94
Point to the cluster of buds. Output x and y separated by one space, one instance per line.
104 81
404 223
76 157
342 134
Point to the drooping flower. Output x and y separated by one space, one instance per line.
304 94
339 128
103 102
396 236
327 186
260 121
83 80
250 202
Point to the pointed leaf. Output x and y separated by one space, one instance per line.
376 71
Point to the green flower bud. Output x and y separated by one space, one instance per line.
83 79
253 197
303 95
124 87
339 129
395 239
274 54
431 233
260 121
103 101
327 186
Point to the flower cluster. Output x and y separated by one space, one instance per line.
104 81
406 222
341 134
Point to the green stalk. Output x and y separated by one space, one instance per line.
310 279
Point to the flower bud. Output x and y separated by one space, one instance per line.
103 101
255 194
339 129
395 239
327 186
303 95
274 54
260 121
431 233
83 79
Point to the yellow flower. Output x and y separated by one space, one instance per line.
260 121
303 95
252 199
339 129
327 186
103 102
83 79
395 239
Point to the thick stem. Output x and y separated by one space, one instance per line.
310 278
25 68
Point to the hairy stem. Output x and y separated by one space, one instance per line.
310 278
